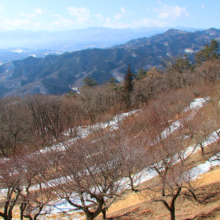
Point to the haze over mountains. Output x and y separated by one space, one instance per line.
19 44
57 74
65 40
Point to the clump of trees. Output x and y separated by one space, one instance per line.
88 174
91 173
93 177
21 184
209 53
89 82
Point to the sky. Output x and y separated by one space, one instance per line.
78 14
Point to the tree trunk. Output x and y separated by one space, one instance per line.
92 215
202 148
89 217
104 213
3 216
22 208
162 189
39 211
194 195
172 205
172 214
131 182
21 214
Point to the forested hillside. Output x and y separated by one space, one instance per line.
73 156
58 74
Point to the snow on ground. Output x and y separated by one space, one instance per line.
146 174
194 107
84 132
196 104
211 138
62 206
205 167
113 124
172 128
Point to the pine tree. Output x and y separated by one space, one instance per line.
128 86
128 80
210 52
89 82
141 74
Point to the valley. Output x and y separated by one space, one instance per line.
58 74
109 123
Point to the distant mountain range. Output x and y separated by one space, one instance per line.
7 55
19 44
57 74
78 39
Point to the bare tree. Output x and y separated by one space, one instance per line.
146 89
168 155
14 129
36 204
177 178
167 151
134 156
209 71
11 182
90 173
45 112
216 116
34 197
71 115
87 100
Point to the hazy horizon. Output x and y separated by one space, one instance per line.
68 15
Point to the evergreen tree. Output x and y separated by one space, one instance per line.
89 82
128 80
112 81
128 86
209 52
141 74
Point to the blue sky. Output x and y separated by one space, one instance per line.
76 14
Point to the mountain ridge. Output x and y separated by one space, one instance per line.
57 74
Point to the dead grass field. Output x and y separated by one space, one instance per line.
136 205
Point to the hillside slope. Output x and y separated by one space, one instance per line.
57 74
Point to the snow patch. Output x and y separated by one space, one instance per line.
83 132
189 50
196 104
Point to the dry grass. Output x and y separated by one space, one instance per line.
134 206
